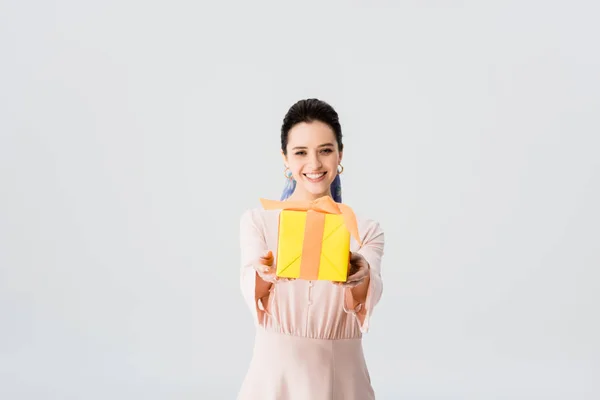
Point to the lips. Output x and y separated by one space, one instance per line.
315 177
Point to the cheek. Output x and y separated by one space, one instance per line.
295 167
333 161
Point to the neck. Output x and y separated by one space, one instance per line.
306 196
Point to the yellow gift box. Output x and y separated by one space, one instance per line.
314 239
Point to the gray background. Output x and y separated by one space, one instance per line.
133 134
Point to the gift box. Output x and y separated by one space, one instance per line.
314 239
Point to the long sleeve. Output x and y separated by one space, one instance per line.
372 250
252 247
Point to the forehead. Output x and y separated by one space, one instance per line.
309 134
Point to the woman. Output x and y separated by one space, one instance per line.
308 333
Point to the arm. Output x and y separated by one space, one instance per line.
252 246
362 299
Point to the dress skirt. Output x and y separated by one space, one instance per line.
286 367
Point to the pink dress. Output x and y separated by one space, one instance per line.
308 343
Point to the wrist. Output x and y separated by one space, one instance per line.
360 291
263 288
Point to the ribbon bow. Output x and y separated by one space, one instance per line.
323 204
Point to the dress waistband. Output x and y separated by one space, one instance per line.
282 334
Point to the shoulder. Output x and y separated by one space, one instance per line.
368 228
258 218
249 214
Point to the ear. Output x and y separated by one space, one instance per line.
341 155
284 157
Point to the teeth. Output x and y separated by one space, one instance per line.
315 176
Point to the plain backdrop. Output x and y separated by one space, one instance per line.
133 134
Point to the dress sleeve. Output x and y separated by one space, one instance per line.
372 250
252 246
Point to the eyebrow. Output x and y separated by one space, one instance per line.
304 147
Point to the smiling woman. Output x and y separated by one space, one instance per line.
309 333
312 124
313 159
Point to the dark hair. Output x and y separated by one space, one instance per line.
310 110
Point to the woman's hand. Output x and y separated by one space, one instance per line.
358 271
264 267
265 270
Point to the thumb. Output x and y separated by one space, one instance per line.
355 256
267 254
267 257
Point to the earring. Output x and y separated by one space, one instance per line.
287 173
339 171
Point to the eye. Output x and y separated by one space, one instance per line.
327 151
300 153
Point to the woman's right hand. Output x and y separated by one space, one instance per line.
265 269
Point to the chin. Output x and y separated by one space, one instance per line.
320 189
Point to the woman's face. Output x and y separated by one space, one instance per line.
313 157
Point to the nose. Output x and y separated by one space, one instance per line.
315 161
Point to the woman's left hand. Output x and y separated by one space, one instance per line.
358 271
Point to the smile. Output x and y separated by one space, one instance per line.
315 177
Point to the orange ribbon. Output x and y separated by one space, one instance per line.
323 204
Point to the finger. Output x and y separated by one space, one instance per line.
356 275
358 278
269 278
348 285
262 269
350 282
356 282
267 255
